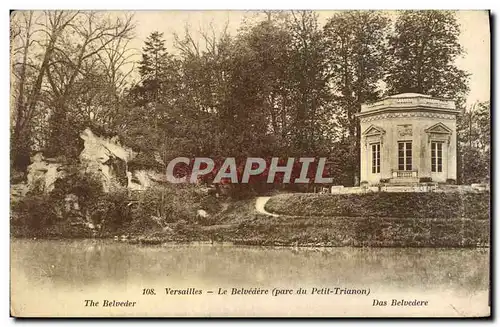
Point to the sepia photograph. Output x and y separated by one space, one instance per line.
250 163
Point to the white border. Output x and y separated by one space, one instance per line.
186 4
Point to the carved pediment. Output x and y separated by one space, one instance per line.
439 128
439 132
373 134
373 131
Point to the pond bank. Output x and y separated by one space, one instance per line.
257 222
301 232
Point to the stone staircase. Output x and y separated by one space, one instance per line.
404 177
404 181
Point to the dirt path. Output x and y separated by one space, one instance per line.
260 204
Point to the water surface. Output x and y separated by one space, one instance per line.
54 277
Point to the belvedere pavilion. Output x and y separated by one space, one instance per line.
407 138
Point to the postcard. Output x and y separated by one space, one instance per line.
253 164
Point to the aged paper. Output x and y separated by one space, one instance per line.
250 164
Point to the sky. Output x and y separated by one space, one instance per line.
474 37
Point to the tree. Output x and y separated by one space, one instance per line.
155 66
422 53
308 80
356 43
174 108
75 64
474 144
32 48
267 42
116 64
68 70
153 57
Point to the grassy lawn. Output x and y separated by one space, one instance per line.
374 219
384 204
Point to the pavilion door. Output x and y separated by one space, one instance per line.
438 160
405 156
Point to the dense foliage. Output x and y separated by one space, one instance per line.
111 212
282 85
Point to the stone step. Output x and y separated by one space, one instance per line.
400 180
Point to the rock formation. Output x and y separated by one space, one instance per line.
106 158
43 173
114 164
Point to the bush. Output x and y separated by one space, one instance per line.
17 176
165 204
244 191
110 210
156 207
425 179
149 210
86 186
39 211
35 212
384 204
451 181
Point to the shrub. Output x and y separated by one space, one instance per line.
384 180
86 186
243 191
17 176
35 211
111 210
158 206
425 179
38 211
451 181
170 204
142 211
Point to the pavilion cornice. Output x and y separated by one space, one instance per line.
412 109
